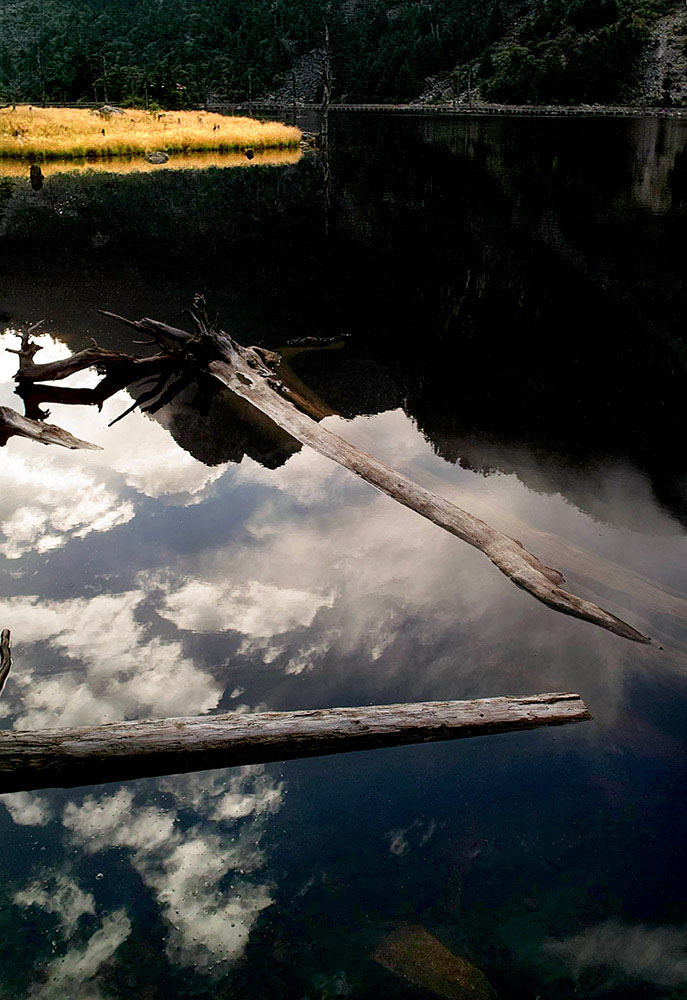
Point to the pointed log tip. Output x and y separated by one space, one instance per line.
635 636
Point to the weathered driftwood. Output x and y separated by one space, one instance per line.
252 374
14 424
119 371
5 657
92 357
121 751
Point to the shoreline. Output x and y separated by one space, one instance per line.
474 111
460 111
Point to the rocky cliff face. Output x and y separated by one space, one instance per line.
303 83
662 70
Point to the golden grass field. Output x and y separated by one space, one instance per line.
138 164
66 133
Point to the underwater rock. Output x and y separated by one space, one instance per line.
414 955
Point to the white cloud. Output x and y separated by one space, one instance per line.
123 671
54 495
49 500
400 841
60 895
27 808
197 874
149 458
652 954
74 974
251 608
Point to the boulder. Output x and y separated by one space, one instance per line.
413 954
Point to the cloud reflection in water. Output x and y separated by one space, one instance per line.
319 591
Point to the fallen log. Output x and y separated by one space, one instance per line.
14 424
253 374
126 750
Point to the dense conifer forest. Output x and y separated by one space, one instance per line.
181 52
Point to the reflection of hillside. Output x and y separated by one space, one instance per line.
501 280
227 431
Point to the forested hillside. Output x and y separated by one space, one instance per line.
572 51
180 52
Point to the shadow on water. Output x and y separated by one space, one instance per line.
509 299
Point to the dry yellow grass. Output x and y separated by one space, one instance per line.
135 165
65 133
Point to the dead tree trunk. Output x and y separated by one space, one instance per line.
126 750
252 374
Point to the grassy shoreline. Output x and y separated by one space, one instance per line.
42 134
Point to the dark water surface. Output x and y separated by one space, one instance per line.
511 305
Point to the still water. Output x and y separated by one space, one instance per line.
508 306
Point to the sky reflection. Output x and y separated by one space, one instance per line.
141 582
242 615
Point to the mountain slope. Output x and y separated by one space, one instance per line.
180 52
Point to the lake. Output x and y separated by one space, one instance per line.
506 305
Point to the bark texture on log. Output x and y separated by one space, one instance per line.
121 751
245 371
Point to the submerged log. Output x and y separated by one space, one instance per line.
14 424
125 750
251 374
